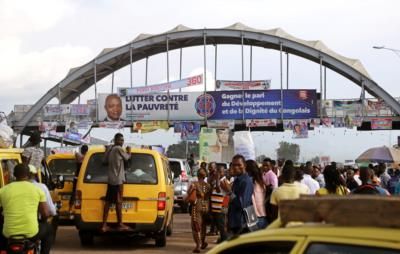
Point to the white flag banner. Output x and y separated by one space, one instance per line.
187 82
244 145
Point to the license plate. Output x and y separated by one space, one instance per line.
125 205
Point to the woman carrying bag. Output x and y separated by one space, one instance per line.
199 197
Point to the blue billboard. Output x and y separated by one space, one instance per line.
258 104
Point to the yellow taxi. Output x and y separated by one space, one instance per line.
9 158
357 225
148 196
64 165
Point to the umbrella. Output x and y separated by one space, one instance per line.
381 154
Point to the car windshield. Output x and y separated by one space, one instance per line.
63 166
8 165
141 169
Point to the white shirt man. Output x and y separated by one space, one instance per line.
311 183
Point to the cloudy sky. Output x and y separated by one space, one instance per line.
41 40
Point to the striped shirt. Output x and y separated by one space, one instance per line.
217 198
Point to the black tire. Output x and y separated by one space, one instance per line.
86 238
161 238
170 227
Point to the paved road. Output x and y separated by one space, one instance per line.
181 241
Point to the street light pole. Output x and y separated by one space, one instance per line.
396 51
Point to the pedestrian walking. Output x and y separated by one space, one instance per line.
219 192
241 197
259 193
200 210
333 183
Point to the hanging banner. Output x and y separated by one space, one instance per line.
339 122
221 124
315 122
347 105
149 126
56 109
298 127
374 105
79 110
189 130
381 123
326 122
112 125
187 82
244 145
261 123
229 105
226 85
47 126
216 145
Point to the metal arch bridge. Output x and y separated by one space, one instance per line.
79 79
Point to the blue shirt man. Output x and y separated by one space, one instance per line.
242 190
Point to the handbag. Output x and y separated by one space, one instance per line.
191 198
251 218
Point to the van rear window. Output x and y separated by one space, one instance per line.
141 169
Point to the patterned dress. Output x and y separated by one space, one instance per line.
199 211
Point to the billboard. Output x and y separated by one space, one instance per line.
215 105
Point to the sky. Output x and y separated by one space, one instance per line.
41 40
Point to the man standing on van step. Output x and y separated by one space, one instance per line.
115 157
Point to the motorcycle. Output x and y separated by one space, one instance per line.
19 244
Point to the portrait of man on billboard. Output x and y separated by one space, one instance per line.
113 107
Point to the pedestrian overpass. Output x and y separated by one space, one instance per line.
79 79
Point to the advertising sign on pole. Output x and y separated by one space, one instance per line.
381 123
187 82
226 85
216 145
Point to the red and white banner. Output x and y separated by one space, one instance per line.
226 85
187 82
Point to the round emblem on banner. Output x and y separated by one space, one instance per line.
205 105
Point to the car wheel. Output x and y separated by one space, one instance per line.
170 226
86 238
161 238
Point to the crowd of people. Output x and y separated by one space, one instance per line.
224 196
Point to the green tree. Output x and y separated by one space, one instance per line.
179 150
315 160
260 158
288 151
